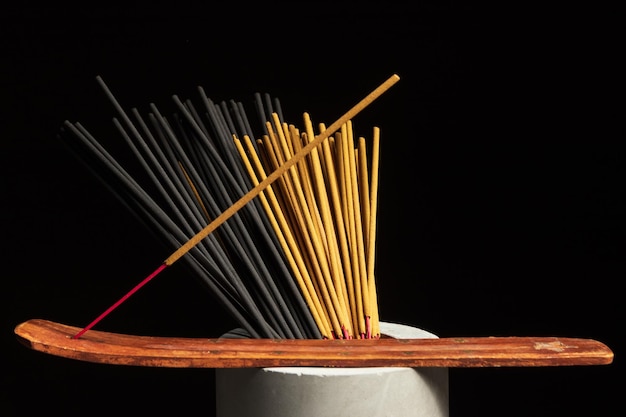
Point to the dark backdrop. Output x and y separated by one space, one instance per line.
501 206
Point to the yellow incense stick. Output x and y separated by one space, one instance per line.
371 243
331 173
304 227
329 228
285 239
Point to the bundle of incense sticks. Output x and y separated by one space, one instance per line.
297 262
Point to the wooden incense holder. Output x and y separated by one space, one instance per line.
175 352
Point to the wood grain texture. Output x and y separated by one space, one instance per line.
174 352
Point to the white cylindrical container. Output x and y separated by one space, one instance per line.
335 392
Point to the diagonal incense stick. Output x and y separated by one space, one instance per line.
235 207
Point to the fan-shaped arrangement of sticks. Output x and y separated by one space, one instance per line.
297 262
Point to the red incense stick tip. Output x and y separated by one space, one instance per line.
346 335
120 301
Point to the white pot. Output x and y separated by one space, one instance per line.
335 392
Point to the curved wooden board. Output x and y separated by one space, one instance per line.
174 352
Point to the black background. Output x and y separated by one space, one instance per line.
503 179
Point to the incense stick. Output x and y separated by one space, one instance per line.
287 241
237 205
